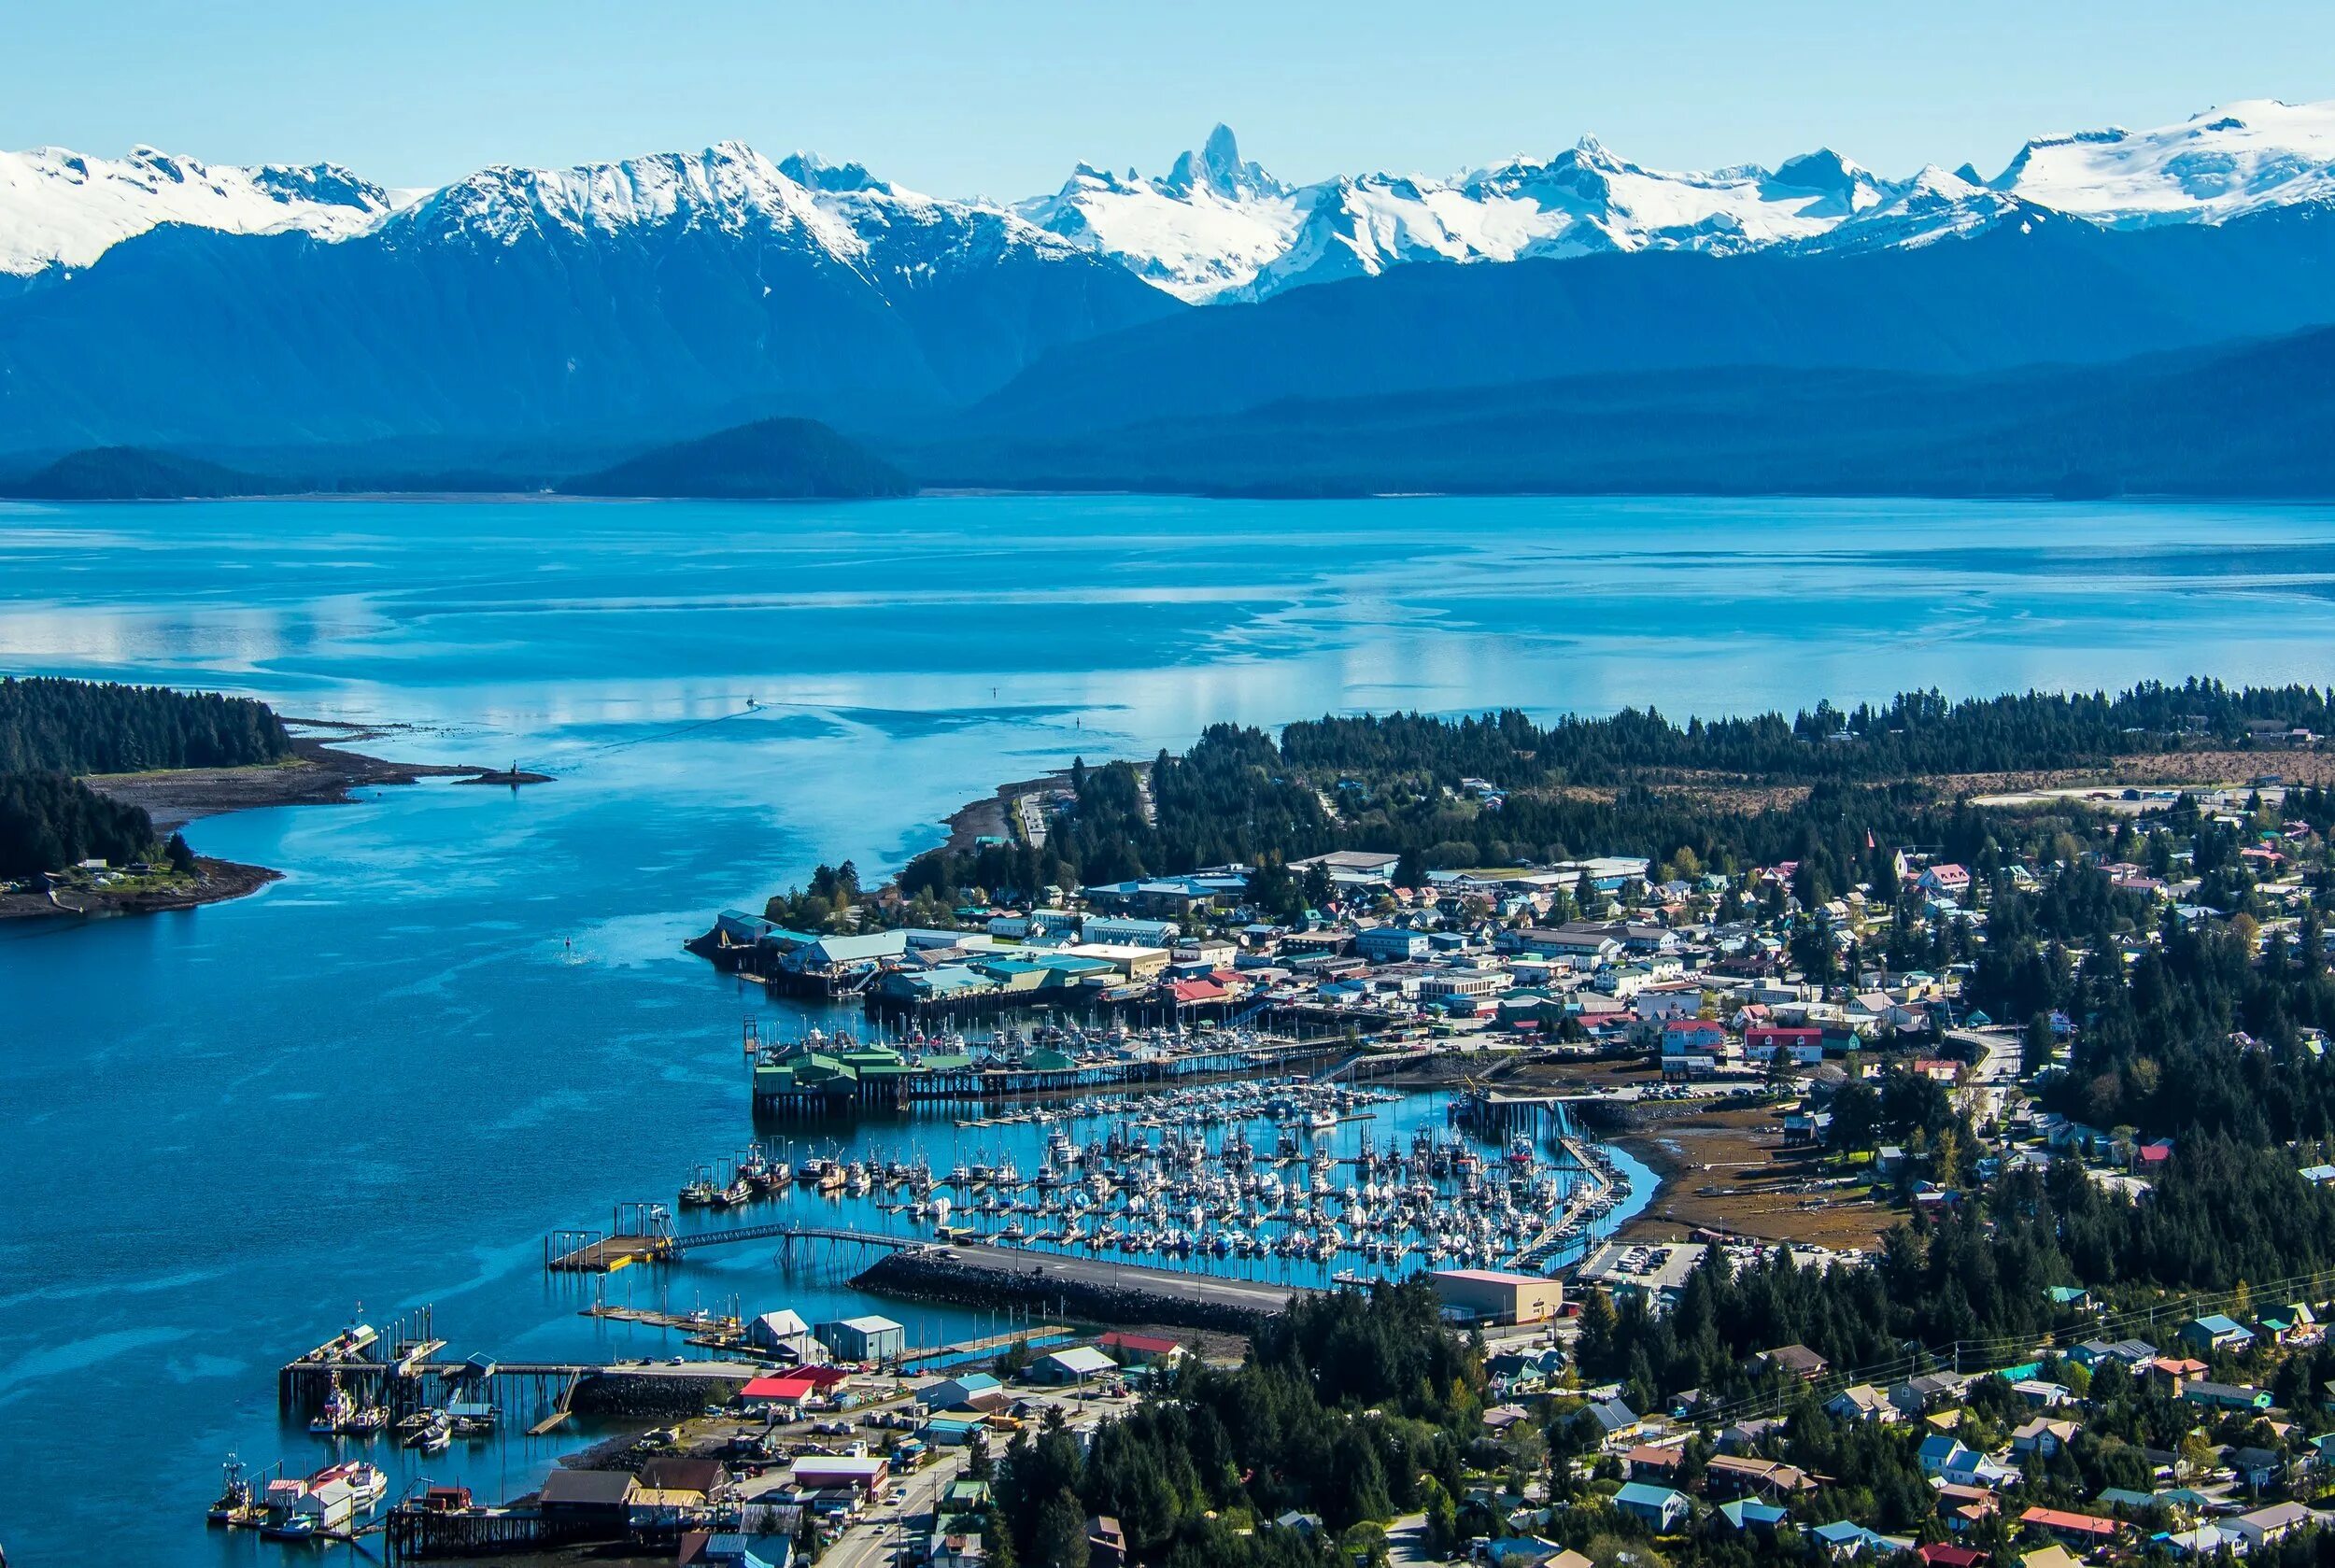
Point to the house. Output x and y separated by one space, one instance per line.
1661 1509
1843 1538
2133 1353
2226 1396
1795 1361
2042 1437
2039 1394
1947 878
2051 1557
1741 1437
1749 1513
2082 1531
1937 1554
2265 1527
1647 1462
1079 1363
1530 1551
1957 1465
1940 1453
1615 1424
1929 1391
2205 1540
1861 1403
2257 1468
1804 1046
1738 1474
2293 1324
957 1549
2203 1336
2172 1373
1964 1507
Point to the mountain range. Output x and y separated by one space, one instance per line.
555 321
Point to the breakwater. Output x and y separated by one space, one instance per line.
1092 1289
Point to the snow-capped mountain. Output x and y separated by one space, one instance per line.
1215 227
1218 228
59 208
1245 237
2214 166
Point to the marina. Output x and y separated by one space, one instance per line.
1297 1180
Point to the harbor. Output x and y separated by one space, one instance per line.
1186 1181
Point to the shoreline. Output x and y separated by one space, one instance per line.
316 774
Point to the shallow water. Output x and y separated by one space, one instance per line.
463 1019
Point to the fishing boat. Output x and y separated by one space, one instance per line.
236 1503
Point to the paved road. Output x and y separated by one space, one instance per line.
877 1537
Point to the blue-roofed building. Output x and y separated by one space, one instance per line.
1845 1538
1749 1513
1661 1509
2205 1336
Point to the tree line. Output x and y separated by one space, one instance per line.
54 726
1350 1407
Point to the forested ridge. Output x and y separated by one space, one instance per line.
1614 785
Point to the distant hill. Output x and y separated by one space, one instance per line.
2239 420
781 459
2059 292
136 473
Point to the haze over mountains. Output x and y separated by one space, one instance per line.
550 322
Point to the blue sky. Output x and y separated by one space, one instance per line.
1000 97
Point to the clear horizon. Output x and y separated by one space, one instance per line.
1002 100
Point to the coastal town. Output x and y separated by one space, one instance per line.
1646 1395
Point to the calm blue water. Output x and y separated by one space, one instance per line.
387 1077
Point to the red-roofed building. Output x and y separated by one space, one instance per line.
1937 1554
1800 1044
790 1391
2074 1528
1188 991
1139 1350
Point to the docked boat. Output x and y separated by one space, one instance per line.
430 1430
235 1503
